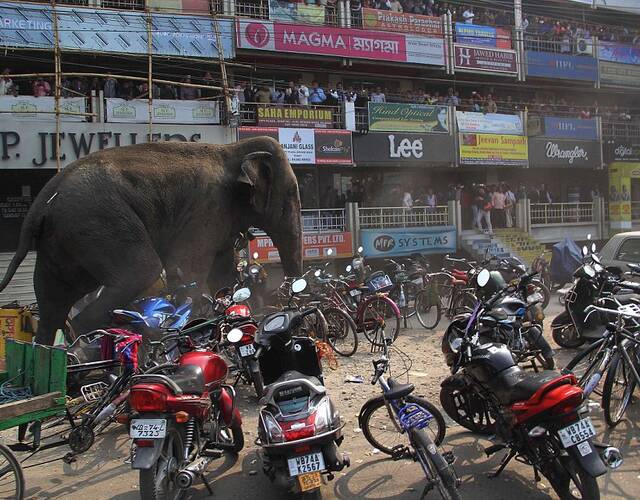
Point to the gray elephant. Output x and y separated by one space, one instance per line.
119 216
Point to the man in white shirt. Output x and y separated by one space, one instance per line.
303 94
378 96
468 15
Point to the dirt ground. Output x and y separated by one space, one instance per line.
103 472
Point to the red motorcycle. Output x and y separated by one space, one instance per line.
183 416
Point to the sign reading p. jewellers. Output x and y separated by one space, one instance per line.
406 241
545 152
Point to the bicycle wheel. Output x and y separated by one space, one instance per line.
464 302
380 320
342 335
428 312
11 476
379 429
585 363
440 471
617 390
411 291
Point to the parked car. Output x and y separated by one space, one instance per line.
621 249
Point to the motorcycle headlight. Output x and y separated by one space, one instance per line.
324 416
273 430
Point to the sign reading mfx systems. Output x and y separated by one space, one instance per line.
405 241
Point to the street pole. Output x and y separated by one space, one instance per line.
519 46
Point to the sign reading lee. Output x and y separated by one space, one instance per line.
402 148
485 60
407 118
493 149
403 22
314 246
544 152
394 242
307 146
294 116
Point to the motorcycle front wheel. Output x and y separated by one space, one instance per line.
567 336
570 481
543 290
157 482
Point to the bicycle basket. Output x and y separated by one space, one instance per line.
413 416
93 392
401 277
379 282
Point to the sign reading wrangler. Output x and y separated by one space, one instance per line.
405 241
545 152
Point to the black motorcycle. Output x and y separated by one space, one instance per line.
511 269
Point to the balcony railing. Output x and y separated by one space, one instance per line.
248 113
323 220
259 9
561 213
545 42
619 129
389 217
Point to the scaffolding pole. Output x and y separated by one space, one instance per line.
57 81
149 71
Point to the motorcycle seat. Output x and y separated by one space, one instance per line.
189 378
498 314
515 385
397 390
628 298
296 375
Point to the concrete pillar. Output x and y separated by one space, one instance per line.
352 222
598 218
455 217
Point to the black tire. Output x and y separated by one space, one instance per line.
446 482
258 383
559 474
311 495
9 465
378 318
567 336
428 314
238 438
468 409
544 290
586 362
342 331
368 412
618 375
155 483
464 302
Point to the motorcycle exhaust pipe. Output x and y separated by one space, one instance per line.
186 477
612 457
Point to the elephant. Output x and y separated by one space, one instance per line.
118 217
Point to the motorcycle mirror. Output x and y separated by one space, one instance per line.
317 273
589 237
329 252
589 271
360 249
593 248
241 295
298 285
234 335
596 259
255 255
483 278
585 251
348 268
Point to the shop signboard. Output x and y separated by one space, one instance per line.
275 36
29 108
392 117
31 144
483 36
294 116
618 52
622 151
489 123
626 75
561 66
102 30
163 111
493 149
402 22
484 59
314 246
398 149
407 241
291 12
307 146
570 153
571 128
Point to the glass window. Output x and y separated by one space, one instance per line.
630 251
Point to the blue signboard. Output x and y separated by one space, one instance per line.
473 34
571 128
113 31
619 52
567 67
405 241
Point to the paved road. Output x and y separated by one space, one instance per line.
103 473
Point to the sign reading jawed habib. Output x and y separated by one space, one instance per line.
485 60
544 152
294 117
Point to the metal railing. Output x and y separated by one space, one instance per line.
259 9
248 113
547 42
619 129
388 217
561 213
323 220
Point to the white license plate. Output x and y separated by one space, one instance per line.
314 462
247 350
577 433
354 293
148 428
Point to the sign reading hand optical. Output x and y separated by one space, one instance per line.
305 146
545 152
392 117
405 241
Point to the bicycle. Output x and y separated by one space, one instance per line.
411 417
615 354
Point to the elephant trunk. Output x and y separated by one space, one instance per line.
289 247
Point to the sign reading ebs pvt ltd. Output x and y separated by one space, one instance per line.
405 241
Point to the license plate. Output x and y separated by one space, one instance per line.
309 481
247 350
148 428
314 462
354 293
577 433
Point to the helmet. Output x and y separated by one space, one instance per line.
496 283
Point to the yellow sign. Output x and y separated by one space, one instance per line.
620 175
493 149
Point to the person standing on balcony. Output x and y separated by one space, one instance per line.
6 83
189 93
545 194
509 205
452 99
490 105
378 96
41 88
263 96
277 96
291 94
303 94
316 95
395 6
431 200
468 15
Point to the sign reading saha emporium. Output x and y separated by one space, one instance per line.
294 116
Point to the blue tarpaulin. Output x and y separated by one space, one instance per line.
566 257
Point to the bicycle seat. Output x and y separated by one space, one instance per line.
458 282
397 390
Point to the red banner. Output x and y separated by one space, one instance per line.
314 246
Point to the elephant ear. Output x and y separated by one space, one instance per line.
255 179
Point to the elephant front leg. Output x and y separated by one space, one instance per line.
223 271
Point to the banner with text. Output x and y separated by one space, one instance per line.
307 146
163 111
485 60
625 75
620 150
561 66
493 149
294 116
564 153
402 22
391 117
290 12
571 128
398 149
407 241
29 108
618 52
484 36
314 246
489 123
339 42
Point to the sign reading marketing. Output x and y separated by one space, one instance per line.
488 60
571 128
545 152
403 149
484 36
489 123
339 42
406 241
408 117
561 66
307 146
493 149
402 22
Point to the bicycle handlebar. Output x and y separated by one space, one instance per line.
615 312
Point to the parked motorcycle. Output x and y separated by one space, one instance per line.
537 417
253 275
182 418
511 269
299 429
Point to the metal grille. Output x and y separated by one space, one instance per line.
618 129
403 217
123 4
256 10
323 220
560 213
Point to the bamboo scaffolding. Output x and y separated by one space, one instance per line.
57 81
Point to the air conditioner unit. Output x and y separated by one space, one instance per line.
584 46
